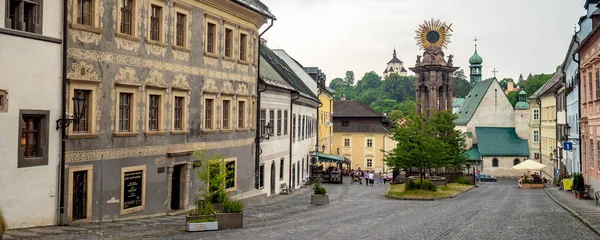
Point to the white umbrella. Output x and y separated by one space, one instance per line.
529 165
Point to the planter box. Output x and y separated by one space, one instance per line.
230 220
319 199
533 185
200 227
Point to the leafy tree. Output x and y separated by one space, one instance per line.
513 97
348 91
461 88
407 107
460 74
535 82
349 79
443 126
395 115
384 105
504 83
399 87
336 83
369 96
520 78
370 81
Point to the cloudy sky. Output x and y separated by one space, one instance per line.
515 36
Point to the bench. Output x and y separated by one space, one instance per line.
597 195
285 189
586 191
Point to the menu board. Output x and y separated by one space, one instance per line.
132 189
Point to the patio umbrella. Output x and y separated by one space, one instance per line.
529 165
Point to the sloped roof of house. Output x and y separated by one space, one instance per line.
458 102
549 86
472 101
473 153
500 141
298 69
350 108
256 6
271 77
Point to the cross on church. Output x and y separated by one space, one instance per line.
495 72
475 40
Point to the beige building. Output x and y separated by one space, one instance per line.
360 133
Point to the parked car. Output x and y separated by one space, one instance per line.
388 176
486 178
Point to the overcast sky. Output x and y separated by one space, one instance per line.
515 36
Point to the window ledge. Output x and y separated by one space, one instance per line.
210 131
82 135
180 132
227 130
243 62
86 28
127 36
180 48
229 59
155 133
157 43
125 134
242 130
253 128
209 54
24 34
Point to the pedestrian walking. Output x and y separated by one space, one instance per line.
367 179
371 176
520 182
380 179
352 177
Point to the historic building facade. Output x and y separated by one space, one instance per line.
325 128
395 66
30 104
161 80
360 134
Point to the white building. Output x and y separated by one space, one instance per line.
395 66
30 104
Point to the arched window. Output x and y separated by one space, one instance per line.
516 161
495 162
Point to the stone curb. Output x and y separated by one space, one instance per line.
577 215
427 199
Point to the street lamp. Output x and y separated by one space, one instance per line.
78 111
268 132
323 147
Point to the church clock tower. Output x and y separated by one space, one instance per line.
433 75
475 67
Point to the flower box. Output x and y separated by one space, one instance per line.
230 220
200 226
319 199
533 185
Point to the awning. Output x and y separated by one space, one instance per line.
529 165
322 157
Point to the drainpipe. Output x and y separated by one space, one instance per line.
291 146
331 122
258 91
539 102
63 131
579 107
318 123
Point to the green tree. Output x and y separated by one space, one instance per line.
348 91
384 105
369 96
336 83
399 87
349 79
535 82
369 81
395 115
460 74
520 78
461 85
504 83
513 97
407 107
443 126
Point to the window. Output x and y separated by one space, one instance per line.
369 162
597 83
85 12
210 37
226 112
228 42
369 143
598 150
516 161
230 179
294 128
155 22
590 86
125 112
278 122
536 136
3 101
243 46
178 114
261 177
180 29
241 114
299 128
346 142
33 141
495 162
281 167
583 91
592 153
153 113
24 15
272 119
263 119
208 113
84 123
127 17
253 112
536 114
285 122
536 156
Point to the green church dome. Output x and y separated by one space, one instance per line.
475 59
522 104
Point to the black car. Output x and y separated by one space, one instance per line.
486 178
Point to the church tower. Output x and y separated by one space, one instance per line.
475 67
395 66
433 75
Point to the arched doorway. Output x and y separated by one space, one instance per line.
273 177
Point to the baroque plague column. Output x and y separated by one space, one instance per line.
433 74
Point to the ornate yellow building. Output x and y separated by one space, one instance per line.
360 133
325 110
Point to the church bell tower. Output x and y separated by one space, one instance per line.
475 67
434 75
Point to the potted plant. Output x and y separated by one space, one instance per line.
232 216
3 225
320 194
202 218
578 185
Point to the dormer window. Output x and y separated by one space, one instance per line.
345 123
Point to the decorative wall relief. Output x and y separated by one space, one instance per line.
127 76
242 89
227 88
83 71
156 50
180 82
156 79
181 55
126 44
228 65
210 61
209 86
85 36
243 68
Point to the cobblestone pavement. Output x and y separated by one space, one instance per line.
493 211
585 209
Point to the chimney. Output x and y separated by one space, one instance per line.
263 41
343 97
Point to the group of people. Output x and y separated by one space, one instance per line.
535 178
368 176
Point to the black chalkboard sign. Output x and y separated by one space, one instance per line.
132 189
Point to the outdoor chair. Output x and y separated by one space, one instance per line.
586 191
285 189
597 195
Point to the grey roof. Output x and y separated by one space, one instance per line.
359 127
256 6
271 77
350 108
549 86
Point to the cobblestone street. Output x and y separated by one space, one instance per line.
492 211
